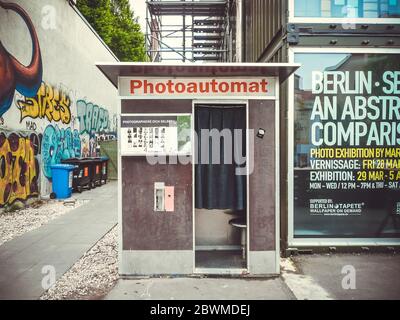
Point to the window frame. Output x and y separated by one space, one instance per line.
314 241
293 19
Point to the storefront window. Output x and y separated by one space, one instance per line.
347 145
347 8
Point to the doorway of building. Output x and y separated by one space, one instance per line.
220 188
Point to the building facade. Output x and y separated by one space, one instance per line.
54 102
340 120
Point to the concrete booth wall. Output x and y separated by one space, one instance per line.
153 242
59 106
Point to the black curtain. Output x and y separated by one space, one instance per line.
218 186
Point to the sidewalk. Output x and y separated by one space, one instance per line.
376 276
308 277
59 243
200 289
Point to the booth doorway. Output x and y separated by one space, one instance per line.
220 188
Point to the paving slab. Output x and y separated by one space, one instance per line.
200 289
59 243
376 275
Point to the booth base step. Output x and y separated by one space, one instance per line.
220 259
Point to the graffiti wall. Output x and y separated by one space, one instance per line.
19 166
59 144
14 75
92 118
54 102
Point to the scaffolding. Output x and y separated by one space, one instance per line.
187 30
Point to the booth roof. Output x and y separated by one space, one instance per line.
156 69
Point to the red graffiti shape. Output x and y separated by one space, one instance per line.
13 74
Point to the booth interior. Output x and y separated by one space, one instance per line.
220 189
218 174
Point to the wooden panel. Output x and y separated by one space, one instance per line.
145 229
262 180
264 19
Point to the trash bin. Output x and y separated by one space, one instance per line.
81 175
104 169
62 180
95 171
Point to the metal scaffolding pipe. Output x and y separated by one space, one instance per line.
202 21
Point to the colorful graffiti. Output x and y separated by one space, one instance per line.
59 144
92 118
49 102
13 74
89 144
19 167
37 105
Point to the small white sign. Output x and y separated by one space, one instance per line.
155 134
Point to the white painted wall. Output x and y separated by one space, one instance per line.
213 229
69 50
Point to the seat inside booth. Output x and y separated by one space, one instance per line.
220 186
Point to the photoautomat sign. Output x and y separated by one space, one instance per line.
193 87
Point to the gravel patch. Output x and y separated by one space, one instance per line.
16 223
92 276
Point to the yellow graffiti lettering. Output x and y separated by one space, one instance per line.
29 108
49 102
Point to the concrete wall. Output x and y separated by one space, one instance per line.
59 113
262 181
155 242
142 227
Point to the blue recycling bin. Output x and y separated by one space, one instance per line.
62 175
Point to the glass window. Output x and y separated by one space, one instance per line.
347 8
347 145
308 8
